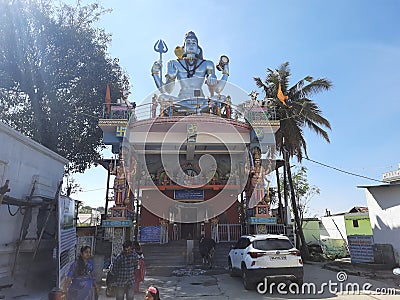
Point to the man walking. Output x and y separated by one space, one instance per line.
123 268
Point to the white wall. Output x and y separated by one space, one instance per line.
21 161
330 231
333 235
384 213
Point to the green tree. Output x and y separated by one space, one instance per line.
85 209
303 189
295 110
299 112
54 69
71 186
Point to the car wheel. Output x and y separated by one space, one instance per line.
246 280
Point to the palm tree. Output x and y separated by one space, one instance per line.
299 112
295 110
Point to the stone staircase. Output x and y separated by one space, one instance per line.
163 259
220 260
166 259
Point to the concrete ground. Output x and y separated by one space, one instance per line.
221 286
197 283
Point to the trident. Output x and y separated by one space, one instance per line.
161 48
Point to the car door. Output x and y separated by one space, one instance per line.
234 253
239 252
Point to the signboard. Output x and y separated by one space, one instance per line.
116 223
391 176
260 220
189 194
120 131
66 237
191 132
360 247
150 233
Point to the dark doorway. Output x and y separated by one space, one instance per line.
187 231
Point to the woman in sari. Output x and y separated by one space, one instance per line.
80 278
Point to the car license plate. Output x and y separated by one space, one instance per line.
278 258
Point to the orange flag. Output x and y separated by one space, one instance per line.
108 99
281 96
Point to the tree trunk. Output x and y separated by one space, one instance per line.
304 249
285 195
281 214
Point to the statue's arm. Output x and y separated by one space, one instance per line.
221 83
155 72
211 77
172 72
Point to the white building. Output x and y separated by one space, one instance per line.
333 234
384 211
34 173
91 219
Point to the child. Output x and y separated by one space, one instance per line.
152 293
140 271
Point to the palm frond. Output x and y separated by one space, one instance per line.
260 84
316 86
318 130
301 112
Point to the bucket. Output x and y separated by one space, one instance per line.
57 295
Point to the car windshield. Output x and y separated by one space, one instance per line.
273 244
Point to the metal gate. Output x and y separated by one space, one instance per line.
229 232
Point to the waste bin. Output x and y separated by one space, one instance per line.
57 294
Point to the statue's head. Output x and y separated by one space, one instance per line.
190 35
191 45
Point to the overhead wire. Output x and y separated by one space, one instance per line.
343 171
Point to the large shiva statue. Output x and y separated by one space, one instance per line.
192 71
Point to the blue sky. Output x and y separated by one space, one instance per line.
355 44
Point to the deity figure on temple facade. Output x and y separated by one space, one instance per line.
119 185
154 104
191 70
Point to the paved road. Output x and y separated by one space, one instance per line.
222 286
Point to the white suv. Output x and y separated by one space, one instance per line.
265 255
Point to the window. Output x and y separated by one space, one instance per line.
273 244
355 223
242 243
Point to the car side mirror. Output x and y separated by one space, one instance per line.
396 271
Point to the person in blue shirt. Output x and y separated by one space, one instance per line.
123 268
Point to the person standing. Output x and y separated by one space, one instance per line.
140 271
80 282
123 268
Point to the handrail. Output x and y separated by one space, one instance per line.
245 112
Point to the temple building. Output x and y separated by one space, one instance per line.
192 164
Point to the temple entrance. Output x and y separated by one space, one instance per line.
188 231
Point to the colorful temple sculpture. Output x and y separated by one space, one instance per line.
195 161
